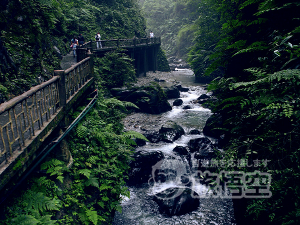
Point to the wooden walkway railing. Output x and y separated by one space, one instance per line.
27 120
122 43
22 117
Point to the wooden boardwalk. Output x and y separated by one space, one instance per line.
26 121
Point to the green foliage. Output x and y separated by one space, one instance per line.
207 34
35 34
171 20
34 208
258 95
115 69
162 62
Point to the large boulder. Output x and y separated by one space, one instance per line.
171 131
202 145
141 166
181 150
211 126
153 136
172 92
150 99
177 201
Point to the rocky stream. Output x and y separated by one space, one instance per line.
166 181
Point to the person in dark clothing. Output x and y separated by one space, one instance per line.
80 39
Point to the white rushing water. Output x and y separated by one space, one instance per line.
140 208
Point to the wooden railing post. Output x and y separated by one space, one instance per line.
61 87
118 42
91 55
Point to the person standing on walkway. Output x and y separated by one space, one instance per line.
74 44
98 40
80 40
151 36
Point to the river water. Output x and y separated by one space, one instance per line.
140 208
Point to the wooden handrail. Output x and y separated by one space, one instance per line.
119 42
27 114
14 101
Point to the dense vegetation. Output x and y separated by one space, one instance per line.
173 20
89 192
253 46
36 33
35 36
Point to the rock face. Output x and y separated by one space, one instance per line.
177 201
170 131
149 99
141 166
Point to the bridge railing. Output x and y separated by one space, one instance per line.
22 117
115 43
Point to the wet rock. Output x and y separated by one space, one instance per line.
199 144
187 107
184 153
213 122
177 102
164 175
203 148
172 92
122 93
203 96
171 131
177 201
141 166
181 150
195 131
159 80
153 136
140 142
184 89
149 99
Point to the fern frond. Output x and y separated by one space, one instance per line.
24 220
92 181
51 163
93 159
134 135
92 216
39 202
81 131
85 172
277 76
256 46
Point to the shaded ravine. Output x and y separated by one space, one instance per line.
143 207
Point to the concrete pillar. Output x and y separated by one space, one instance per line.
145 60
